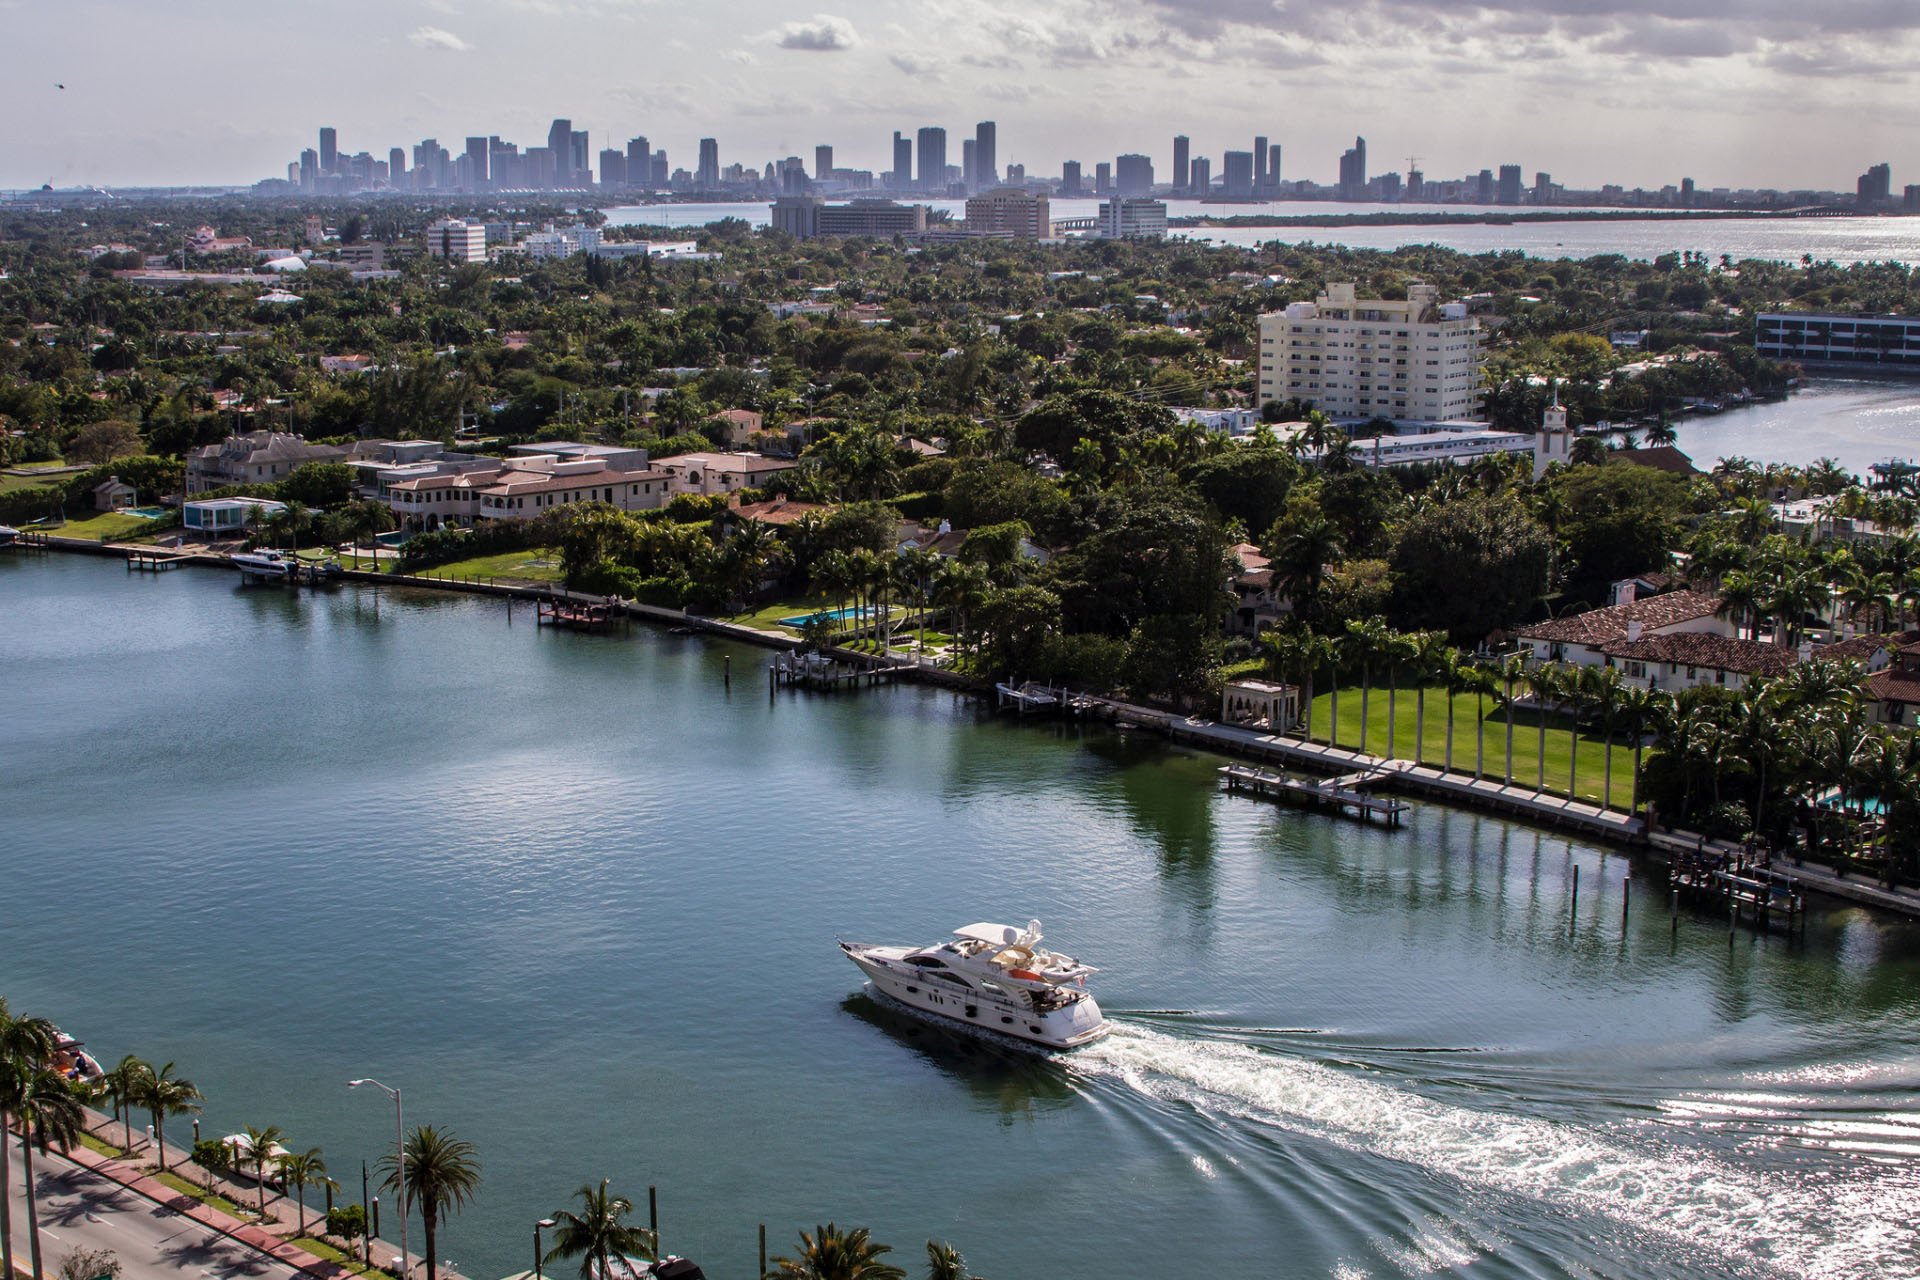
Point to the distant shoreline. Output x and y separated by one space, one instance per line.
1490 218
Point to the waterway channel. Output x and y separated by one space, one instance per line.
579 900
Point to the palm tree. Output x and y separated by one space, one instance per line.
1601 687
1366 640
1480 682
1335 649
1510 672
832 1254
1546 681
596 1235
25 1042
300 1170
48 1111
1396 649
442 1173
164 1094
1638 707
123 1086
1454 674
1429 652
945 1263
260 1154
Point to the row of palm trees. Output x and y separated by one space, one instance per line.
1429 661
47 1109
862 583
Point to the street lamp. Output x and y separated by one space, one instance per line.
400 1165
544 1222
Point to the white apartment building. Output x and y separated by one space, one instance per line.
707 473
457 240
560 242
1351 357
1132 218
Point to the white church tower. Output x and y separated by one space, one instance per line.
1554 443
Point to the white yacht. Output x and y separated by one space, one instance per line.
8 535
994 977
263 563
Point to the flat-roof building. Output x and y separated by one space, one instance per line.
1412 360
1889 343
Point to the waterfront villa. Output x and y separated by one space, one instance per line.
222 517
1895 690
1582 639
522 488
704 473
258 457
113 494
1259 599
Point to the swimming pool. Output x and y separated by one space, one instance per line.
147 513
825 615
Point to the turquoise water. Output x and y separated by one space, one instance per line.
579 900
151 513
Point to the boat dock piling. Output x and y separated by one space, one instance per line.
154 560
1338 794
1747 888
576 615
798 670
1031 698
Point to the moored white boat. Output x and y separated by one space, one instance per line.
993 977
263 563
8 535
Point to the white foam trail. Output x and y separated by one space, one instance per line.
1817 1228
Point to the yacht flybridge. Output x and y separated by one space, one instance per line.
994 977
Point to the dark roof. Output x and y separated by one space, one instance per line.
1605 626
1895 684
1861 648
1703 649
1661 457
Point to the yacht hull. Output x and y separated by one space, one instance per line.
1069 1027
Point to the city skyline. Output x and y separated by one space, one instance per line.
203 93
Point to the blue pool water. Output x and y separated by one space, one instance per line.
825 615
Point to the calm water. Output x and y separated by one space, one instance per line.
580 903
1838 239
1857 421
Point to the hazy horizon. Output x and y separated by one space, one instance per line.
1734 93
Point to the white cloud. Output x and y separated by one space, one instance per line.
438 38
824 33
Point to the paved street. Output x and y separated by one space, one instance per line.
80 1209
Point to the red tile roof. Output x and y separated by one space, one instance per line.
1605 626
1703 649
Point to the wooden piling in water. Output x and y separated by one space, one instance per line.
1573 908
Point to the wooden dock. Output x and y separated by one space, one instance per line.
806 670
1745 888
577 615
1340 795
155 559
1030 698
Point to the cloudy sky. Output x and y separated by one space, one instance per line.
1731 92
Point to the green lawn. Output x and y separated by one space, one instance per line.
321 1249
13 484
199 1192
99 1146
108 526
535 564
1433 746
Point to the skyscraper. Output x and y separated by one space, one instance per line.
613 168
582 160
822 162
1133 175
639 162
986 158
661 173
1260 178
1273 166
1509 184
708 175
1236 169
397 166
478 171
1200 177
969 151
560 146
309 168
1182 166
1103 179
932 142
1875 186
1353 171
329 150
1070 177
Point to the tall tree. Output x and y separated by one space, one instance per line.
25 1043
48 1111
442 1174
164 1094
300 1170
832 1254
598 1233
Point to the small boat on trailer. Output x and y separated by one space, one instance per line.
993 977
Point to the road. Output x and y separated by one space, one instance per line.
80 1209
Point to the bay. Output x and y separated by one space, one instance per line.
578 898
1842 240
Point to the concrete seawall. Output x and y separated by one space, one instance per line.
1425 780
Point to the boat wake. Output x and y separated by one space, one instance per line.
1629 1175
